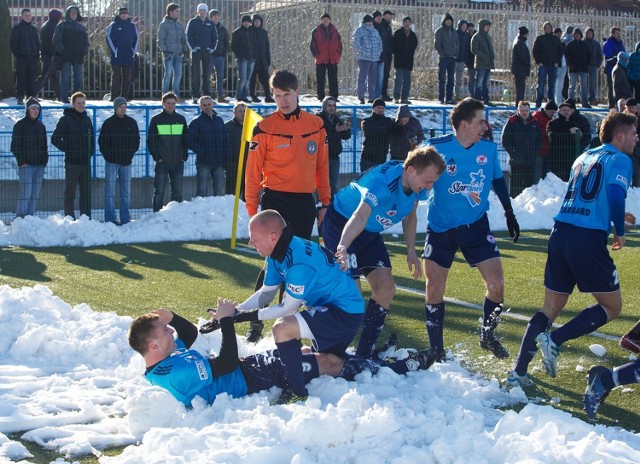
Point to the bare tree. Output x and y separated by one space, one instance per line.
7 86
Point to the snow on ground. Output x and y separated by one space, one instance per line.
69 381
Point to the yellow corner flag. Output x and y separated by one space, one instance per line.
251 118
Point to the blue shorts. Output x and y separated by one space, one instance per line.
366 253
579 256
265 370
476 242
331 329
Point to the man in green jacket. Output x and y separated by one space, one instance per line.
482 48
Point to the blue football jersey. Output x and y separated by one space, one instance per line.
381 188
461 195
310 273
586 203
187 374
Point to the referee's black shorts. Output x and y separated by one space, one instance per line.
297 209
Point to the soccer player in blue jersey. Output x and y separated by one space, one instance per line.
186 373
577 251
381 197
458 206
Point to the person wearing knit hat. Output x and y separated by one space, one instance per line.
29 146
378 102
122 39
368 45
326 48
25 47
551 106
244 53
118 142
202 37
405 43
49 69
520 63
376 14
367 19
577 54
621 85
203 7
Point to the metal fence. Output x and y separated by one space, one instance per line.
290 22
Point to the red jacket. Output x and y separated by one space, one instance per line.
326 44
543 120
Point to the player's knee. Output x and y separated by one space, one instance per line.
329 364
281 330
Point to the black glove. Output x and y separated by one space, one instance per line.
210 326
512 225
214 324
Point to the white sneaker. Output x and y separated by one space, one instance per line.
516 380
550 352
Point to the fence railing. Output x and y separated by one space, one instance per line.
434 119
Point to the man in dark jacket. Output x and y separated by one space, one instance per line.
71 45
407 134
405 43
582 123
234 130
167 143
471 67
220 54
29 146
209 140
383 25
263 59
74 136
245 55
547 53
122 39
595 61
25 46
564 145
202 37
610 49
520 62
446 44
49 70
578 58
461 57
326 48
118 142
376 136
337 131
621 86
482 48
521 137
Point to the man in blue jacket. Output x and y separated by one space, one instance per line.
209 140
122 39
612 46
202 37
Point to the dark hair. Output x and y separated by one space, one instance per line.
524 103
465 111
77 95
168 95
423 157
171 7
614 123
140 330
25 10
283 80
615 29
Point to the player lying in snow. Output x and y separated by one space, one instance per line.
186 373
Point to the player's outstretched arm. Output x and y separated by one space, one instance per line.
354 226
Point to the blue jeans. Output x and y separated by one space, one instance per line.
218 65
482 84
163 170
367 73
561 74
172 73
402 84
245 70
334 175
66 75
446 72
123 174
546 73
216 174
584 86
30 178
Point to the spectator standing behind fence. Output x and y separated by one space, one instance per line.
633 71
209 140
482 48
368 45
407 134
582 123
376 136
405 43
521 137
621 86
74 136
520 62
167 143
219 58
25 46
446 44
49 70
122 39
172 42
461 57
234 130
71 45
118 142
543 116
384 66
245 54
611 48
326 48
202 38
471 70
562 85
547 54
29 146
563 142
337 130
595 61
578 58
263 59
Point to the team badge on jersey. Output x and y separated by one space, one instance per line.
312 147
482 159
253 145
452 167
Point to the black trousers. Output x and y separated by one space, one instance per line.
51 73
332 71
385 77
26 72
120 81
263 75
297 209
521 82
75 176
